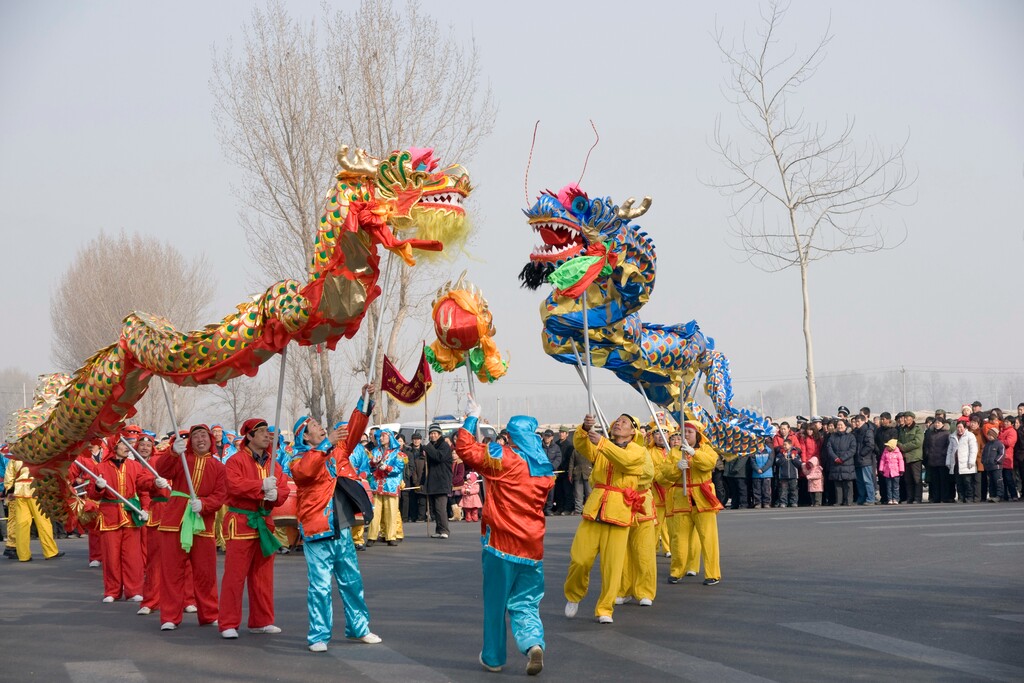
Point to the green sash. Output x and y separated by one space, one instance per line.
256 520
191 522
136 520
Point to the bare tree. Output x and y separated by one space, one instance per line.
239 399
16 389
381 79
799 192
109 278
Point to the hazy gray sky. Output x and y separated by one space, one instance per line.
106 124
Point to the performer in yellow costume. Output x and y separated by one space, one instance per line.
25 510
640 571
658 451
696 508
685 552
608 513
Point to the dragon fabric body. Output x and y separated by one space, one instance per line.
665 360
368 203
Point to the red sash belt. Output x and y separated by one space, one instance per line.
709 493
633 498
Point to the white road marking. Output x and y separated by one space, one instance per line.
1008 543
1010 617
978 533
883 511
939 524
675 664
907 649
104 671
381 663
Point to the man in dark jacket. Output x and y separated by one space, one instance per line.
911 443
941 483
554 453
865 459
415 478
737 472
886 431
438 480
841 450
564 495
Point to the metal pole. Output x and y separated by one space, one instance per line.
108 488
579 371
903 371
280 396
586 352
650 407
174 424
139 458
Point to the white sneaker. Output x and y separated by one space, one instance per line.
646 602
191 609
168 626
107 598
668 553
605 619
536 661
266 629
444 535
691 573
318 647
229 633
623 601
369 639
144 611
492 669
94 564
571 608
136 598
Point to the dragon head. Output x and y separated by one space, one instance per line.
412 192
568 221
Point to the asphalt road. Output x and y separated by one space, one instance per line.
919 593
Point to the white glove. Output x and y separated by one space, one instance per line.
269 484
683 464
161 483
270 496
143 515
474 407
179 446
197 505
688 449
101 483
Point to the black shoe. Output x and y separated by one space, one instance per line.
392 543
674 579
711 582
369 544
54 557
360 546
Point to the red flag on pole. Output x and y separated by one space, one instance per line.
411 391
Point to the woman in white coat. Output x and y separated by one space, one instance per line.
961 459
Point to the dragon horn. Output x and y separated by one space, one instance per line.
627 212
361 163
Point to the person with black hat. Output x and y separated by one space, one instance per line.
842 411
941 485
415 478
256 484
439 479
565 501
554 454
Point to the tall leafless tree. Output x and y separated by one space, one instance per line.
377 77
109 278
239 399
799 192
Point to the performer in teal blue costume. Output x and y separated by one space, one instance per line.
331 498
518 478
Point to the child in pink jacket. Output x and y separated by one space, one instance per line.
471 501
815 480
891 467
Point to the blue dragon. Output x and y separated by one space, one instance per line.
665 360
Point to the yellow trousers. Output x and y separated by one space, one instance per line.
358 534
698 531
385 514
399 529
592 539
218 526
685 546
27 512
663 532
640 572
12 524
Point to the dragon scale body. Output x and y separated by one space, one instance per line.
665 360
369 200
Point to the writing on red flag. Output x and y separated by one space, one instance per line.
406 391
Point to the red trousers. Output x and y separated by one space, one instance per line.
122 562
95 554
151 588
174 566
244 563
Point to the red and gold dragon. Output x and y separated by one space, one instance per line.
370 202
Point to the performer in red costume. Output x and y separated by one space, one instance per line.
186 527
120 528
92 457
256 484
518 478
